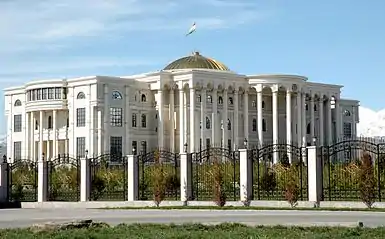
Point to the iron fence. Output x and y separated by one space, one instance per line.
22 181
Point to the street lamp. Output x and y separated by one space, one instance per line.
245 143
185 148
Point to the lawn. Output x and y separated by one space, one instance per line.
189 231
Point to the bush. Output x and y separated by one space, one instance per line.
159 181
367 180
218 187
292 187
268 180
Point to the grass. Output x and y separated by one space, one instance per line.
244 208
192 231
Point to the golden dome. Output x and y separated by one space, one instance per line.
196 61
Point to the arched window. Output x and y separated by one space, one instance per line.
263 104
208 123
116 95
144 121
220 100
36 125
315 107
49 122
254 125
143 98
346 112
199 98
306 106
228 124
17 103
209 99
308 128
231 101
80 96
263 125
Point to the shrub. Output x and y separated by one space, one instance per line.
268 180
367 181
292 188
218 187
159 181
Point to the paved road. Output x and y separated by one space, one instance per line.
11 218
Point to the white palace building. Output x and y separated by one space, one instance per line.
194 101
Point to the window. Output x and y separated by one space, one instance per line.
80 117
80 147
253 104
208 123
143 98
80 96
315 107
44 94
209 99
263 104
49 122
68 122
29 95
208 143
220 100
116 116
134 147
347 130
17 123
228 124
144 121
36 125
65 93
229 145
346 113
50 93
199 98
231 101
34 94
254 126
57 93
263 125
308 128
17 103
116 143
133 120
38 94
16 151
306 106
144 147
116 95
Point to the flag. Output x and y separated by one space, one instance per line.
192 29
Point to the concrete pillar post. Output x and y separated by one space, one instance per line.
133 178
246 175
85 179
314 167
42 179
185 177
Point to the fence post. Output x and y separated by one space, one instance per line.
185 178
85 179
314 175
245 175
42 179
4 180
132 178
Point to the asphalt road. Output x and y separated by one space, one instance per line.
12 218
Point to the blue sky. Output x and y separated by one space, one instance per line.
337 42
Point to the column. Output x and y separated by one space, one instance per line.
329 122
106 119
288 117
88 121
186 120
354 129
338 119
128 120
41 135
160 120
203 119
236 120
192 120
312 117
48 156
172 120
214 117
246 114
260 117
33 137
181 121
275 123
27 138
299 121
91 147
304 120
100 126
54 140
321 121
225 119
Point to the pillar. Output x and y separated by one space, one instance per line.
338 118
321 121
132 178
85 179
54 130
42 179
32 129
303 120
106 138
225 119
41 134
214 117
128 124
299 119
236 120
203 119
246 175
246 114
275 123
312 121
4 180
160 120
260 117
91 147
185 177
192 120
329 122
314 167
100 136
27 138
181 121
288 122
172 120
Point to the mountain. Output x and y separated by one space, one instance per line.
372 123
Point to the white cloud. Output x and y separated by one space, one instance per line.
372 123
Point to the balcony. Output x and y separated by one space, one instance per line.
59 104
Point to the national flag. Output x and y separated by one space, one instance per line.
192 29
